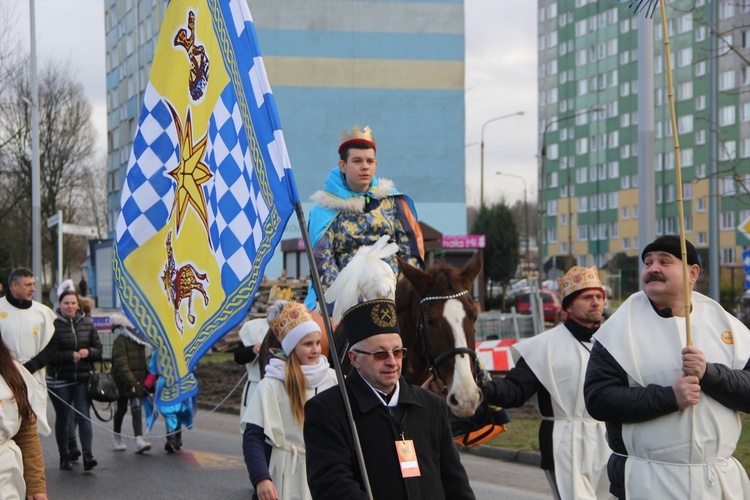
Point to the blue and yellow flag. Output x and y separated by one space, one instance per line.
209 188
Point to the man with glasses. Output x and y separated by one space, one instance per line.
403 430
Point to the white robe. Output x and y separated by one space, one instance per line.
579 442
12 484
251 333
26 332
686 454
270 408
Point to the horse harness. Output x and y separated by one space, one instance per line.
432 360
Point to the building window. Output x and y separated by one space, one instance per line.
726 80
563 219
687 191
582 260
624 213
552 235
726 115
635 211
552 207
688 223
728 255
581 175
685 124
728 151
701 239
583 204
700 171
583 233
625 182
726 221
700 137
700 204
626 243
700 103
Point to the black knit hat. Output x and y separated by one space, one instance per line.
671 244
370 318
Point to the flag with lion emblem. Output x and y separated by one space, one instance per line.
208 190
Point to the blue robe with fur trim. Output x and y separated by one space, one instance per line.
343 220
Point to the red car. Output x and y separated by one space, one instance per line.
551 303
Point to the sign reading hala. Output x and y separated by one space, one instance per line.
463 241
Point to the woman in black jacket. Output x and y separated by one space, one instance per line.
78 346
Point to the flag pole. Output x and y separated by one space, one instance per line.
332 344
678 171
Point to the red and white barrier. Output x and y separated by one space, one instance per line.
495 354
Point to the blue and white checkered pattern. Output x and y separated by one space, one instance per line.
236 209
148 192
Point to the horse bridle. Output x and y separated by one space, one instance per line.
432 360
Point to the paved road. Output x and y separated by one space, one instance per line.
211 466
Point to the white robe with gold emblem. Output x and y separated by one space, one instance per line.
579 442
686 454
26 332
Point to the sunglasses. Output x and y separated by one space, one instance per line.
383 355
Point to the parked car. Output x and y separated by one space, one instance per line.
551 303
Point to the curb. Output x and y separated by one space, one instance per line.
505 454
523 457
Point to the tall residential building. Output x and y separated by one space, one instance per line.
397 66
588 55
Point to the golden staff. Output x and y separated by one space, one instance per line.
650 6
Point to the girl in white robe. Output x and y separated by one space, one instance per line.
273 444
21 459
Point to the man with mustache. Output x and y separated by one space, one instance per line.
355 208
551 366
672 412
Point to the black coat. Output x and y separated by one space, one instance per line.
332 468
71 335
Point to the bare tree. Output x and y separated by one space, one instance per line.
66 148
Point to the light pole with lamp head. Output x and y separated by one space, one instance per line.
481 166
526 217
540 201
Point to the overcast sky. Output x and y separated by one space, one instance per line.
500 80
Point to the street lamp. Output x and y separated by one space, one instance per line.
481 167
526 216
540 201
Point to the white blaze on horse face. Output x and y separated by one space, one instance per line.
464 396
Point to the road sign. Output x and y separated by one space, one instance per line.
746 264
54 220
744 227
89 231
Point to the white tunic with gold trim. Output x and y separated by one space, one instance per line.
686 454
579 442
26 332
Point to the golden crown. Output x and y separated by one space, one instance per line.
579 278
280 293
356 135
293 314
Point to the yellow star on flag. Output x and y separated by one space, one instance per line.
190 173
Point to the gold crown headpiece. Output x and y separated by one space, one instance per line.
579 278
292 324
280 293
356 135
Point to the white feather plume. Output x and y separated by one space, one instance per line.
366 276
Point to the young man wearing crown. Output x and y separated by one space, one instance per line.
403 430
355 208
672 412
552 366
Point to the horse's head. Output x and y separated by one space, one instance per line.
436 315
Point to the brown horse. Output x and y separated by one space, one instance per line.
436 315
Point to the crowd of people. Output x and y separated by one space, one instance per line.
633 407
